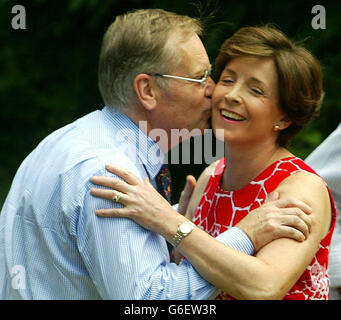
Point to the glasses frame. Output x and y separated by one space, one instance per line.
203 80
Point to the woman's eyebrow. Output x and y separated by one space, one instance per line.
257 80
230 71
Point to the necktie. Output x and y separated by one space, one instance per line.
164 181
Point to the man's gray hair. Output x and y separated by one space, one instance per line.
140 42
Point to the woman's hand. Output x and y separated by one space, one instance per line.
141 201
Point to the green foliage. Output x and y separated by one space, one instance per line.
48 72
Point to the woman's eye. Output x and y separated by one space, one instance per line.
227 80
257 91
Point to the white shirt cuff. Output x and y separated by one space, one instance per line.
237 239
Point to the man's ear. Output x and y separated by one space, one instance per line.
145 89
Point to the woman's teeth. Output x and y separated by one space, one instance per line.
231 115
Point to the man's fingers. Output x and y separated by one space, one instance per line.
189 187
191 181
292 233
291 203
300 215
273 196
186 194
294 222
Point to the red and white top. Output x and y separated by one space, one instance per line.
219 210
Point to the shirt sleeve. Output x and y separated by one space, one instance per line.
126 261
237 239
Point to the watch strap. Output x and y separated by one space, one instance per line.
180 235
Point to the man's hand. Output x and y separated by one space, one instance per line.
277 218
186 194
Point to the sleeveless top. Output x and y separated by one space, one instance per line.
219 210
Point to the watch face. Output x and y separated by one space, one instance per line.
185 228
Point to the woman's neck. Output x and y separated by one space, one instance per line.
244 163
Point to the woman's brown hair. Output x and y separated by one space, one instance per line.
299 72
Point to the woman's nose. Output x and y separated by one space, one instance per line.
233 96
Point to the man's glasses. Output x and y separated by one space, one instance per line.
202 81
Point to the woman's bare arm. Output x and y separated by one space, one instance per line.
278 265
221 265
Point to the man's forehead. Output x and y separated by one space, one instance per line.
194 55
197 59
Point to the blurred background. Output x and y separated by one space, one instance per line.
48 72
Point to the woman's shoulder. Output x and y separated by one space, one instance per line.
311 189
309 179
304 181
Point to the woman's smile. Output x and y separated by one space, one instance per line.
231 116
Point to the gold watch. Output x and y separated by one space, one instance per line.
184 229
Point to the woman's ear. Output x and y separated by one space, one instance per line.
285 123
145 89
282 124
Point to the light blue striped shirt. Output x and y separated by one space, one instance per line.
53 246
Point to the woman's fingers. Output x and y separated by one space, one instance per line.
110 182
109 194
112 212
126 175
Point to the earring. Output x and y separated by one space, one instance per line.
277 127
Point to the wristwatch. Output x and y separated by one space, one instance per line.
184 229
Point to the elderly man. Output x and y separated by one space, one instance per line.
153 73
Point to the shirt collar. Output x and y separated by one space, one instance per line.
135 142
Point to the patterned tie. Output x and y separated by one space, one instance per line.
164 182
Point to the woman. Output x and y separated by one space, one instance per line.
268 90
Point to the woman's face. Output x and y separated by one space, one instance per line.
246 101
